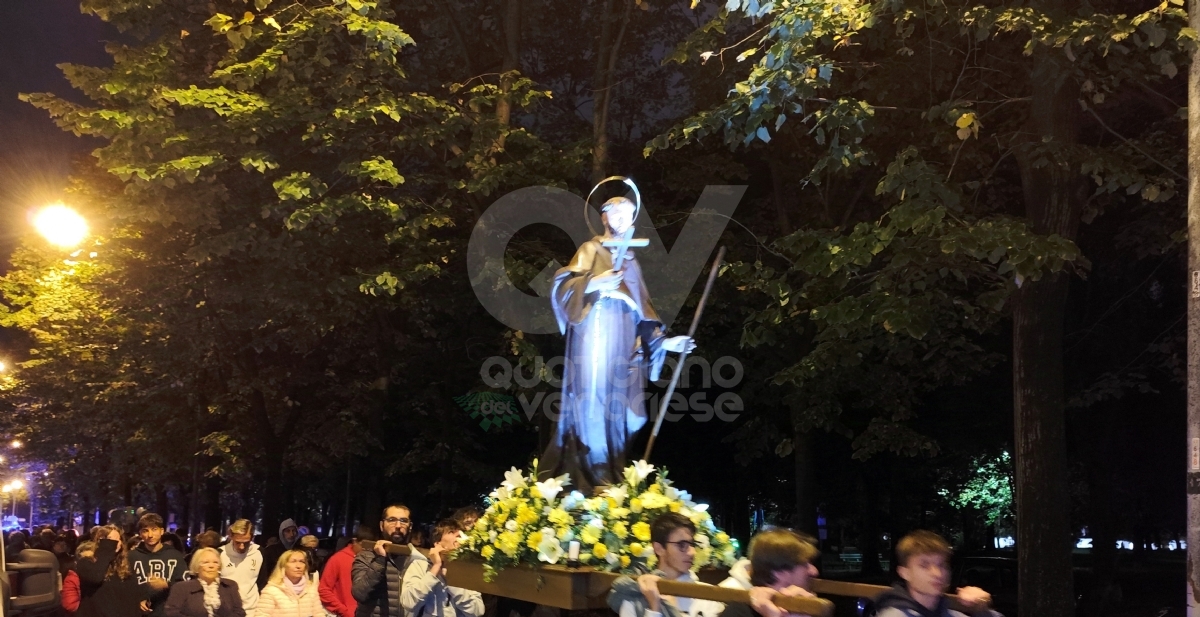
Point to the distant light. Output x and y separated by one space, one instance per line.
60 225
16 443
3 367
1084 543
17 484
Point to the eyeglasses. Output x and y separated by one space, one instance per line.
684 545
393 520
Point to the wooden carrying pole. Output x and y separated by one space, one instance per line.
680 367
817 607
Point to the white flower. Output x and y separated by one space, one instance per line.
612 557
618 493
570 502
549 489
549 549
492 535
500 494
643 470
597 522
514 479
511 525
702 541
701 507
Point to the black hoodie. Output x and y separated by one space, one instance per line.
167 563
901 603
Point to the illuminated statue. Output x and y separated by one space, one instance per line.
613 337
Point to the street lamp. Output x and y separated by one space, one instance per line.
11 488
60 225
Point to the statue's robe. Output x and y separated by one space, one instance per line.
613 339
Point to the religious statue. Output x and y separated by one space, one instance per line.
613 338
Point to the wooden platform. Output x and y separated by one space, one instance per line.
557 586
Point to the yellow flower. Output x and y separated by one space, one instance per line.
612 503
624 561
526 515
600 551
563 532
585 557
635 505
636 549
620 530
589 535
487 552
722 538
558 516
509 543
654 488
533 540
641 531
619 512
675 506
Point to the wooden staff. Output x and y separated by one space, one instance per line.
817 607
864 590
679 368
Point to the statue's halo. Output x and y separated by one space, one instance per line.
587 203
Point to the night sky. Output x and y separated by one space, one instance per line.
35 155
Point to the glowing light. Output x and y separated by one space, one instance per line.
60 225
16 443
2 367
17 485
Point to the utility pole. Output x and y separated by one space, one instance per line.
1193 327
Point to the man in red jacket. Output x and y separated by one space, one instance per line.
336 582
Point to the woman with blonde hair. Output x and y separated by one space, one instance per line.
291 592
107 586
206 594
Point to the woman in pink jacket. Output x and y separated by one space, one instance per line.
290 592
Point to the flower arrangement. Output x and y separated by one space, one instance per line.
534 523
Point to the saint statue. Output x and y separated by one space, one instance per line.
614 338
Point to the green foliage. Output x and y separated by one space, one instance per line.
927 104
988 490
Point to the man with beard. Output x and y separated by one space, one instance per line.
376 576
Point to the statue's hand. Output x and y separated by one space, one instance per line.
678 344
605 282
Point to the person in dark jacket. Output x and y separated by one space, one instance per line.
288 533
206 594
923 558
155 564
107 586
376 577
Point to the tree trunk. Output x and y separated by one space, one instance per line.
212 504
805 518
779 195
603 82
510 64
1053 202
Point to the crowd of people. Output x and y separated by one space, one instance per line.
151 573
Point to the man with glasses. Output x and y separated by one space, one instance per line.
376 576
156 565
673 538
241 562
